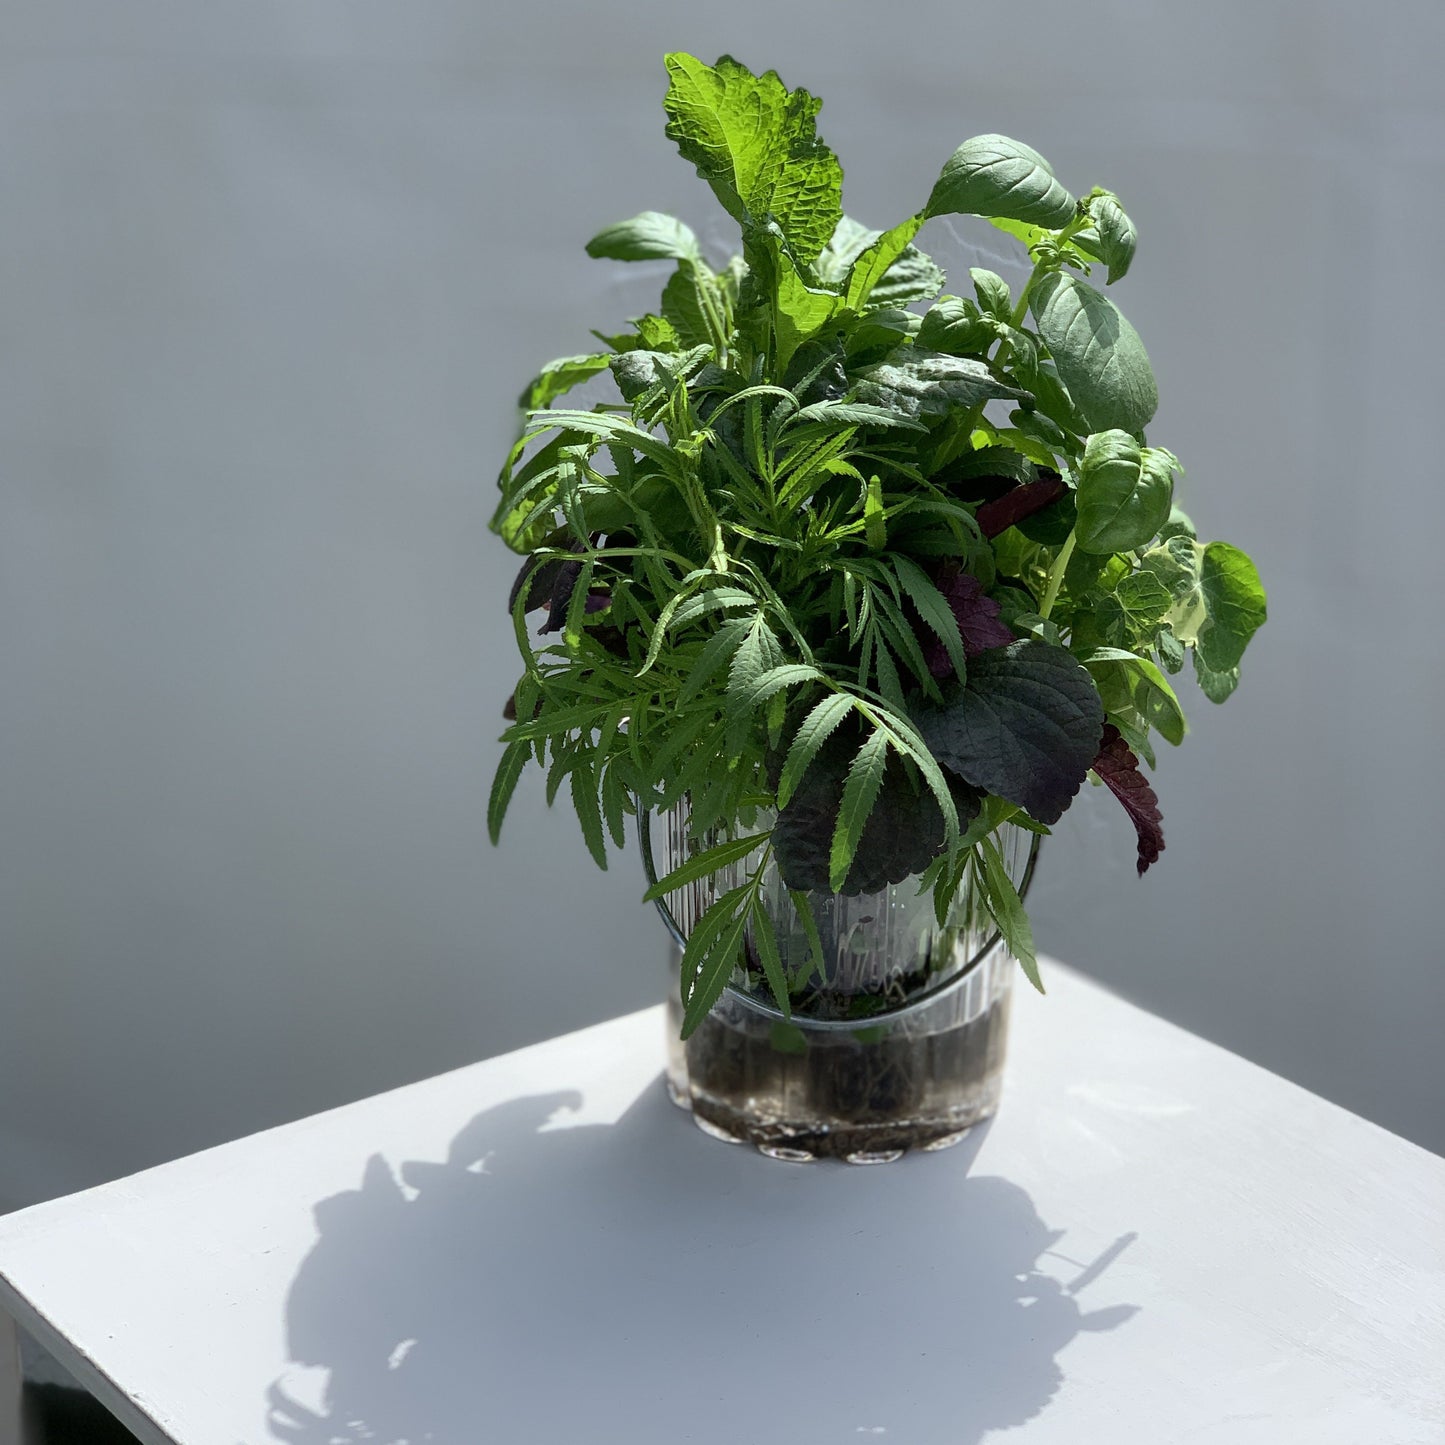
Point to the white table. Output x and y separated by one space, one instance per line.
1153 1242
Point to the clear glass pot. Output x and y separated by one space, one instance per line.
896 1043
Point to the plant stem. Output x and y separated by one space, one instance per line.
1056 576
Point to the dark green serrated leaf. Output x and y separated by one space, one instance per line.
903 833
765 938
1025 726
855 413
775 680
713 950
715 655
589 812
812 733
933 608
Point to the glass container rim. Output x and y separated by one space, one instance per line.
919 1001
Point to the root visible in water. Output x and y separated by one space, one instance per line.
880 1094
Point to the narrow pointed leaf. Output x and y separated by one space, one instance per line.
504 784
860 792
813 732
1008 911
700 865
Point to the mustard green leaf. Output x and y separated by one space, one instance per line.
755 143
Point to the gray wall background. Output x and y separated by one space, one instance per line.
270 278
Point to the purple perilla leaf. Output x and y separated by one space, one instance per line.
1117 766
1003 512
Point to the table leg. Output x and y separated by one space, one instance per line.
10 1428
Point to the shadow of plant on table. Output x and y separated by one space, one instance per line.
619 1282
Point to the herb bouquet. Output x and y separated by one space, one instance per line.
855 583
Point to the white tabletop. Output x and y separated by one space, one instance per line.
1153 1242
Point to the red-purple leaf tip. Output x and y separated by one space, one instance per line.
1011 508
1119 768
978 624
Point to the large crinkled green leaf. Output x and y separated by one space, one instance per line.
1123 495
1025 726
650 236
991 175
929 383
755 143
1097 352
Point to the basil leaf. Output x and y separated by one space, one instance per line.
992 175
994 298
956 326
1097 352
1123 495
1117 237
648 237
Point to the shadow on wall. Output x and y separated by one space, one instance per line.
636 1280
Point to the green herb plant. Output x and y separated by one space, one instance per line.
860 571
